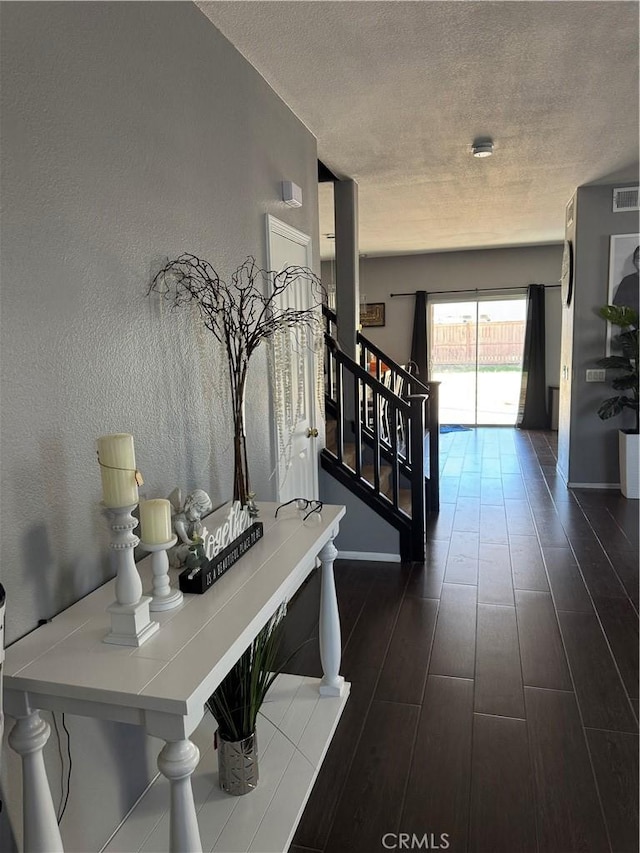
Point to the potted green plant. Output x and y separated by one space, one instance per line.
235 705
626 383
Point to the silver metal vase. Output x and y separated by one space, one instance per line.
238 765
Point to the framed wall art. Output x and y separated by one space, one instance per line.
623 274
372 314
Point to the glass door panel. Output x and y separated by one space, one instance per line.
501 325
453 359
476 353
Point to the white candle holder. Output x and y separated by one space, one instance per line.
130 622
165 597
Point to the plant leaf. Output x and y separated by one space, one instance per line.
622 383
614 362
610 407
237 700
619 315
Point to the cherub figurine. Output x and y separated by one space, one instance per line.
187 523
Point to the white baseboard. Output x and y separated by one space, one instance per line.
372 556
571 485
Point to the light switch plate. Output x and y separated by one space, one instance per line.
596 375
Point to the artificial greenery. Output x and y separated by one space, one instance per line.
195 554
626 364
237 700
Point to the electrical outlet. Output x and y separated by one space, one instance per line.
596 375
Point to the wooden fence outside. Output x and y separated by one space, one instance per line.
499 343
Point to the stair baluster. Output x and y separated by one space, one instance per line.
376 440
340 412
357 387
395 473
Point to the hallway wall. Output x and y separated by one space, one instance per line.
482 269
131 132
588 446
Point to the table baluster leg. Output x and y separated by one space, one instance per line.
332 683
177 761
41 832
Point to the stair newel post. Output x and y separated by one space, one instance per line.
433 405
418 509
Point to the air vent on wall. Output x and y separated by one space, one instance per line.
625 198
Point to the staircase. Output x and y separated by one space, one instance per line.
378 416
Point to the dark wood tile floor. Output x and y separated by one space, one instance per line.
495 688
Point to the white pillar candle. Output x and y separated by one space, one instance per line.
118 470
155 521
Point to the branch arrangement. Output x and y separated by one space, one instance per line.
241 315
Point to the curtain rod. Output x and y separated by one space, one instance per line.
485 290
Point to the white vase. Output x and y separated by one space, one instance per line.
629 456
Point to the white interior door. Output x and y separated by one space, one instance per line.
297 465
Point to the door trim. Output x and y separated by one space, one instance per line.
275 227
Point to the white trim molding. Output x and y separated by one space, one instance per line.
372 556
593 485
276 226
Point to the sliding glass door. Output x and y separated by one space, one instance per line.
476 353
452 360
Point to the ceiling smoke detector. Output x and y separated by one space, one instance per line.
482 148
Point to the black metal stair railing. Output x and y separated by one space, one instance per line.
375 437
362 468
405 383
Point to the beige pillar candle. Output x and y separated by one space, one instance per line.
118 470
155 522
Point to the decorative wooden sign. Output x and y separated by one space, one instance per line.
201 579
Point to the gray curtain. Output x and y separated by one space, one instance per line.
419 340
532 411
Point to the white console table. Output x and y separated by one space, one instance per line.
163 684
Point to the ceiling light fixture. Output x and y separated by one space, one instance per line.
482 148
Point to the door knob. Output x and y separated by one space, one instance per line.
312 432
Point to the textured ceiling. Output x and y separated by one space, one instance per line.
396 92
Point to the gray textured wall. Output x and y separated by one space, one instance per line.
566 362
482 269
130 132
362 529
590 449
